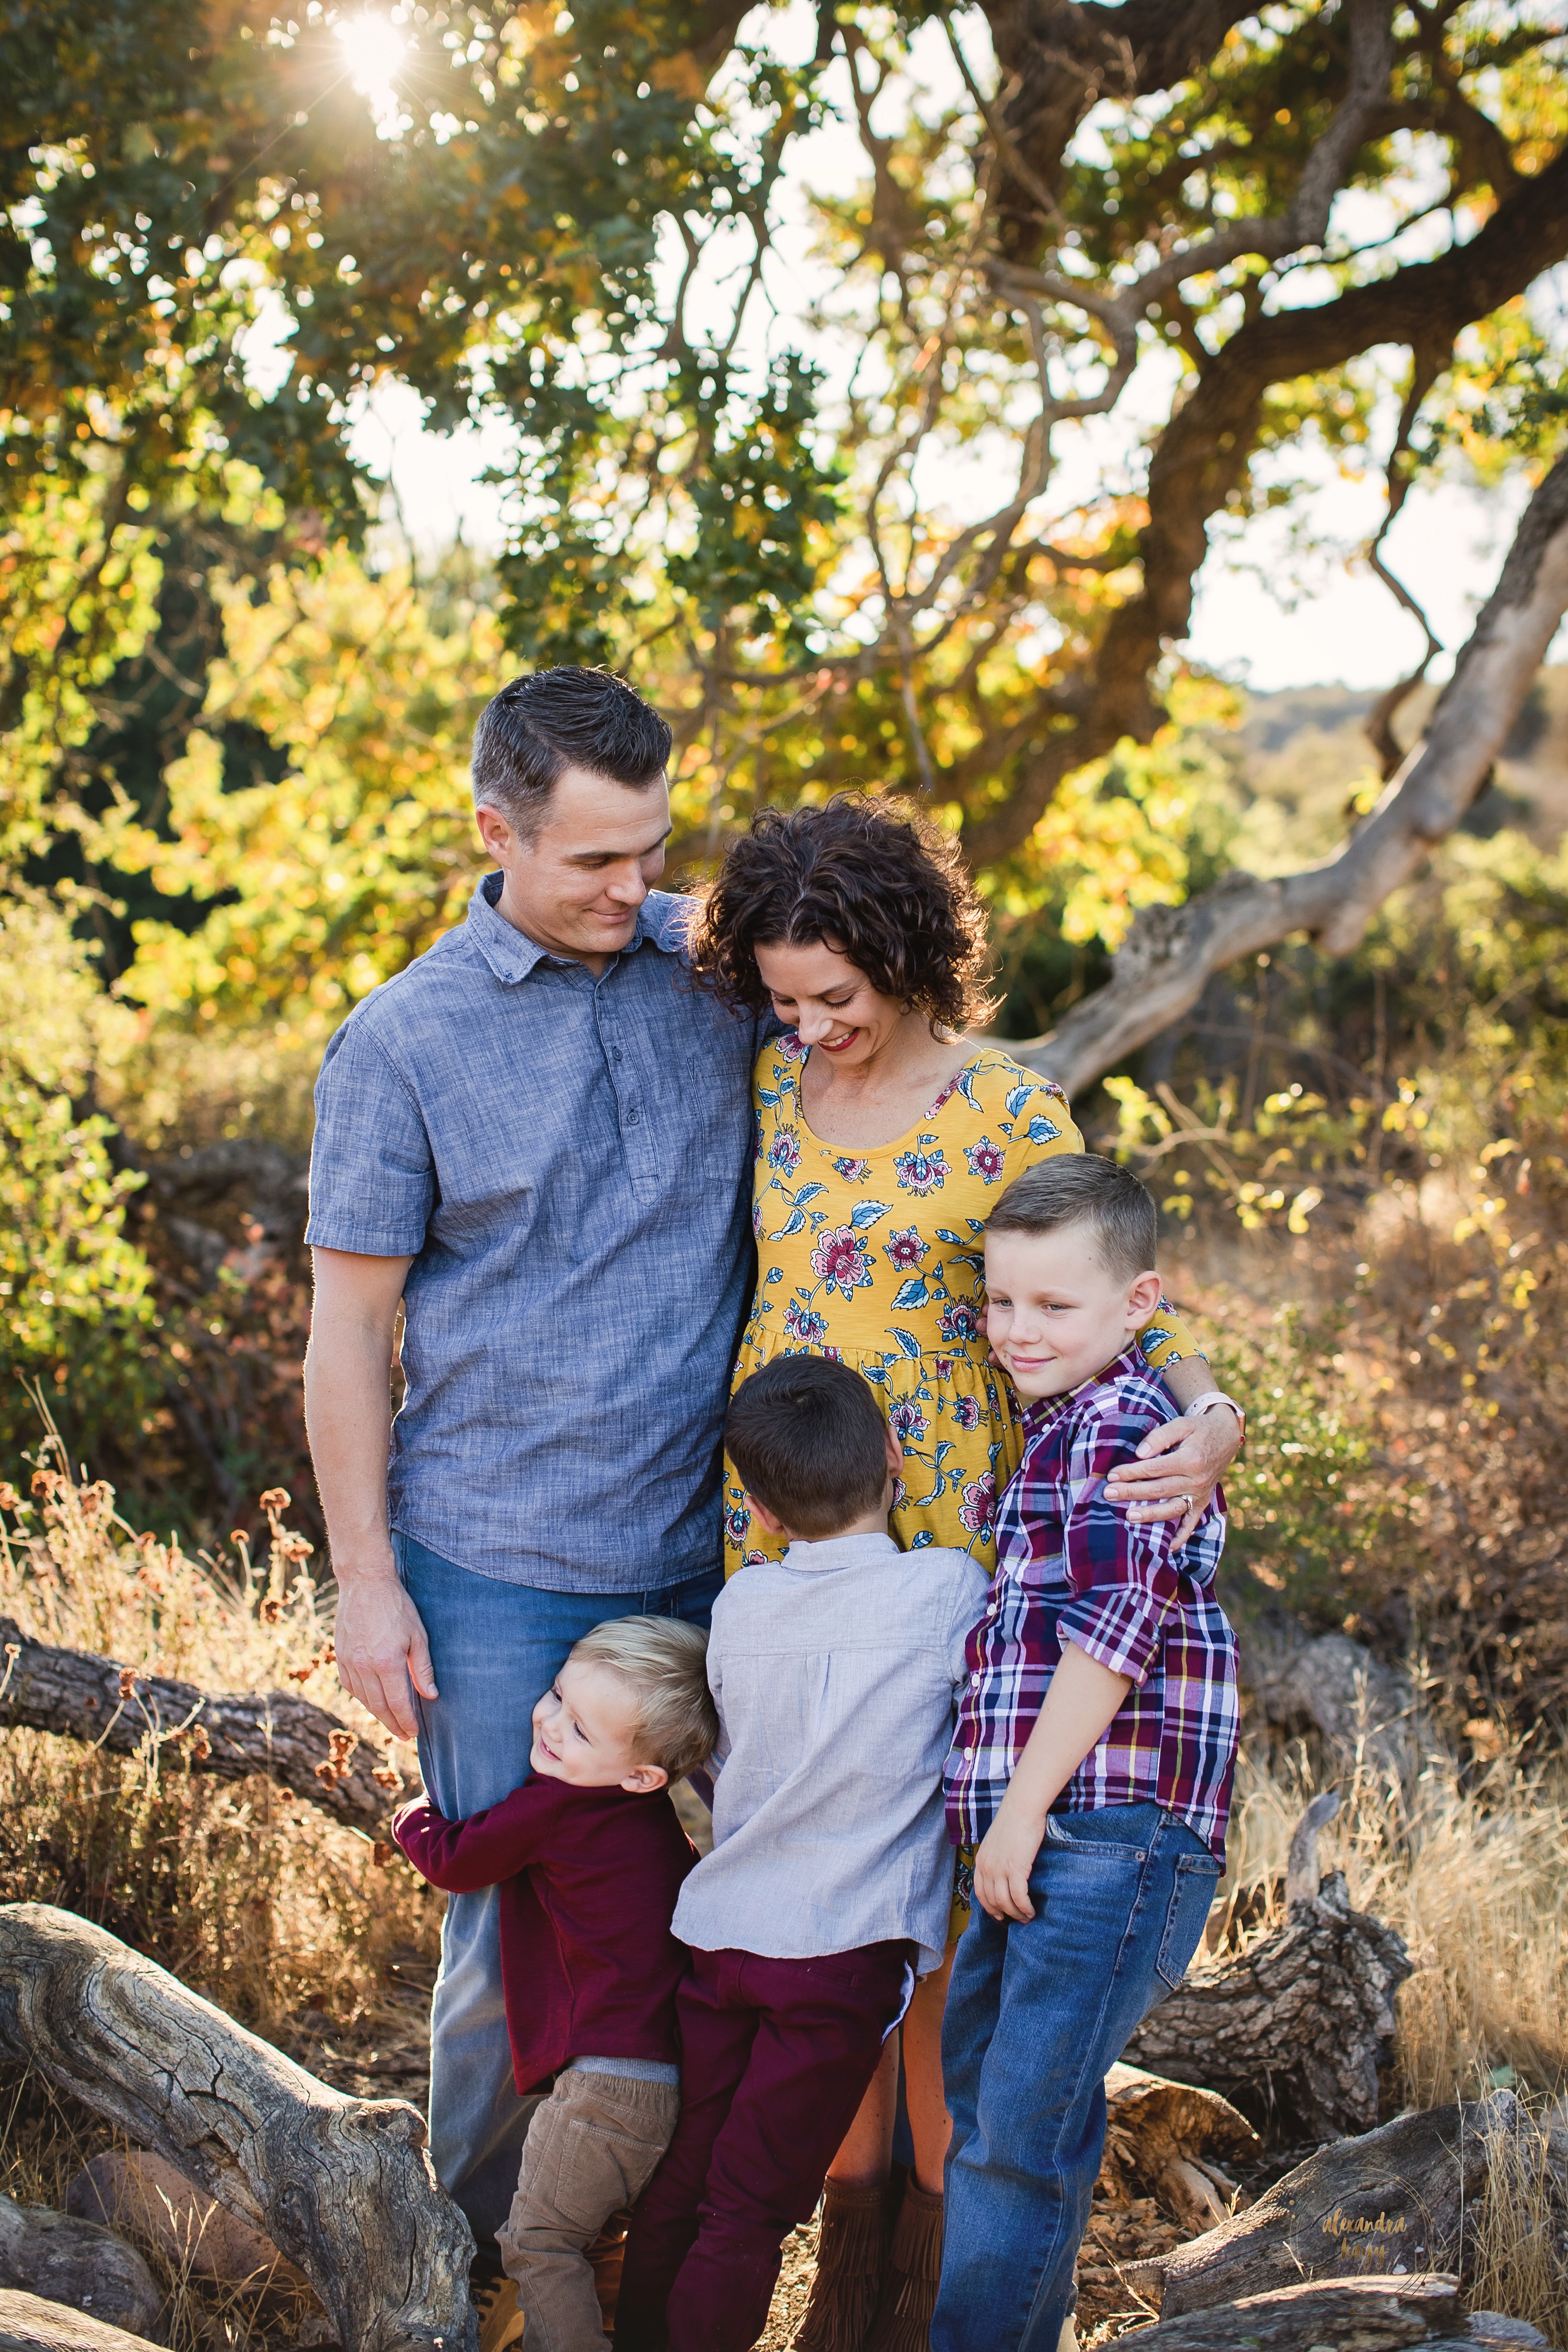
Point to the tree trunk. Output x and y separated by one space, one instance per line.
1297 2023
1171 2138
76 2263
1355 2316
232 1734
1408 2197
342 2187
1170 952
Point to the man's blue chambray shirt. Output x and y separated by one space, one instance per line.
568 1164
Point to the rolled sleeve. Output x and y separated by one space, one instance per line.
1124 1585
373 1181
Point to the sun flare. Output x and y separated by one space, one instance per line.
372 51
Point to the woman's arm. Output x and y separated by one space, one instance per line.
1177 1467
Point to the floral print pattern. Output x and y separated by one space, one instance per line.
875 1259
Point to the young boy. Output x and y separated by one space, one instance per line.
833 1672
1092 1763
590 1859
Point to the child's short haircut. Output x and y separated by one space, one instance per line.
809 1442
664 1663
1079 1188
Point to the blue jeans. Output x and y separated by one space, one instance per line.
1036 2017
495 1648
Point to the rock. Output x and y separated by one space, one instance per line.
1341 1690
63 2260
148 2200
29 2324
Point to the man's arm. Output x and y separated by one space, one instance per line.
380 1641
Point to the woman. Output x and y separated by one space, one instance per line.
884 1136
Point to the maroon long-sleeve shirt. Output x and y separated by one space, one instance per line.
588 1879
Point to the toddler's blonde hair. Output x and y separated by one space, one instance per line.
664 1663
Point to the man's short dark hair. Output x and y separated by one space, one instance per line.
809 1442
1079 1188
538 727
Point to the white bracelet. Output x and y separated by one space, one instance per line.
1210 1398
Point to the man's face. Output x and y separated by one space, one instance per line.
576 887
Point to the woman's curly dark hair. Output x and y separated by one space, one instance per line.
886 892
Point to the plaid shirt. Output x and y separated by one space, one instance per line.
1069 1568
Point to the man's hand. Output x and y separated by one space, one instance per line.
1003 1861
382 1648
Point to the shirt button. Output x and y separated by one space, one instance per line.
975 1682
633 1117
618 1056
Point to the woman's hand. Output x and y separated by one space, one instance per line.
1176 1469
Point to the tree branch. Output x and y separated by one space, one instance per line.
1170 952
1202 457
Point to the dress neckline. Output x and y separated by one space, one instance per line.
837 1151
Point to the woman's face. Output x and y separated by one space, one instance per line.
818 991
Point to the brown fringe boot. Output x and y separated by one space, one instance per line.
851 2254
914 2266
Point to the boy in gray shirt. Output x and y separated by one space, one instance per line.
836 1673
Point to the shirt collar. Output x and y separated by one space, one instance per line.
512 955
839 1552
1045 1410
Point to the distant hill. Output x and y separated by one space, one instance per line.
1304 749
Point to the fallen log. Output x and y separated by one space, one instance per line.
144 2199
342 2187
1399 2199
31 2323
1171 2138
1356 2315
76 2263
1298 2024
230 1734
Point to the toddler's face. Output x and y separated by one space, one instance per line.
582 1731
1055 1316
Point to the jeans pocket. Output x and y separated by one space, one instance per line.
1196 1876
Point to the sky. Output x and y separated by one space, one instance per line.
1258 620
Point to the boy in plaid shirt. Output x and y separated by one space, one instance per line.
1092 1763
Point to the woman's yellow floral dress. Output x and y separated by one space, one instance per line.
875 1258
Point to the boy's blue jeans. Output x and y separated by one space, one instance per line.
1036 2017
495 1648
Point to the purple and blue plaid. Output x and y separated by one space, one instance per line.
1070 1569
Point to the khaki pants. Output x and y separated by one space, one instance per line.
591 2150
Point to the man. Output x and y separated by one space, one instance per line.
536 1139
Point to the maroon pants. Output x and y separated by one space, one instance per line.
776 2056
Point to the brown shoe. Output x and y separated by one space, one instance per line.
500 2322
914 2266
851 2255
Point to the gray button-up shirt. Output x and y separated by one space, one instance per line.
567 1160
836 1673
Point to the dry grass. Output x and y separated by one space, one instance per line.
1521 2261
1469 1866
271 1908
